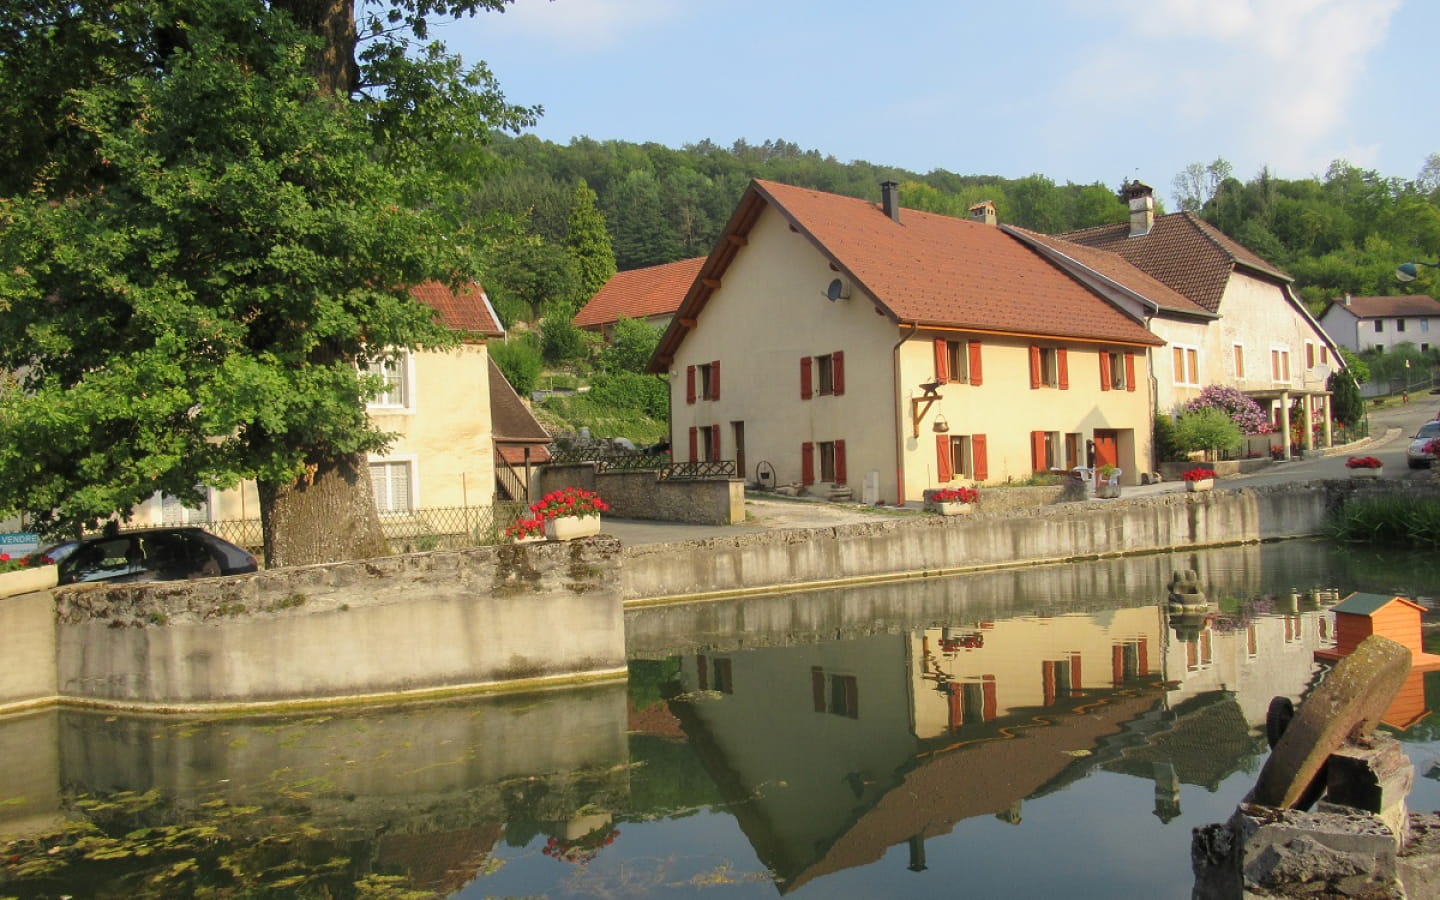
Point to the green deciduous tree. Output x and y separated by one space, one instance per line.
207 233
1208 429
1345 399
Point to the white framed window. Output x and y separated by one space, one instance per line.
399 375
393 483
1280 365
1186 361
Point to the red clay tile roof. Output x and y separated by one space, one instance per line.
638 293
1183 251
469 310
942 271
929 270
1389 307
1115 268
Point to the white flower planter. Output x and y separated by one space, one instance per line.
1200 484
26 581
568 528
1367 473
953 508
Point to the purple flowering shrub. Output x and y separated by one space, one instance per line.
1243 411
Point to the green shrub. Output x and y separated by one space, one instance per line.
631 391
1166 448
1208 429
520 362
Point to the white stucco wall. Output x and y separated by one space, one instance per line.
1257 316
771 311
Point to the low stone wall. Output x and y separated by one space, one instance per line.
1172 471
640 495
447 621
932 545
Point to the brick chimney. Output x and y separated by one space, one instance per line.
1141 199
890 195
983 212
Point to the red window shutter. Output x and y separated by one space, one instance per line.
942 361
806 391
837 371
694 444
977 450
975 378
1037 451
839 461
714 380
1063 366
1104 371
689 384
715 443
807 463
1129 371
942 457
1034 367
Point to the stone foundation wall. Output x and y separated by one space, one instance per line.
445 621
641 495
941 544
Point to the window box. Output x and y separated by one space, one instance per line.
568 528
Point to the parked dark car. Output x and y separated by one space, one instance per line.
156 554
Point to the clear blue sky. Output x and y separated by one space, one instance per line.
1077 90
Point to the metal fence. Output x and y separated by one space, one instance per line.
665 468
433 528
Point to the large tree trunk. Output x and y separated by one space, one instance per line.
334 22
326 516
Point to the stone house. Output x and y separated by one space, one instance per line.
842 344
1225 315
1382 323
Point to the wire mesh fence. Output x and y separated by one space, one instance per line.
433 528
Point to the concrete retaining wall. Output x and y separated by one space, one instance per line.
939 544
641 495
519 615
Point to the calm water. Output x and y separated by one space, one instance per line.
1045 733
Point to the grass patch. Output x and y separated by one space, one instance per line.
1395 521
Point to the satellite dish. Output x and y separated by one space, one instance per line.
838 290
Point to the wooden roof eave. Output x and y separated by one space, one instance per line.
711 275
951 328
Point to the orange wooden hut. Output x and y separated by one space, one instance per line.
1360 615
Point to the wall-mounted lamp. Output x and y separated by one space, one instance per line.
1411 270
941 426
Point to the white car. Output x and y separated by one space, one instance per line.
1415 454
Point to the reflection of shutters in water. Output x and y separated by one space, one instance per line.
174 511
390 482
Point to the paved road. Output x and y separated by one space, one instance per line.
1391 430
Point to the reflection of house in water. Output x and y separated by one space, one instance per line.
832 753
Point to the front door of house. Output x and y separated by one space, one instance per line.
1107 448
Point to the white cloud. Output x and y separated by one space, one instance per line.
582 24
1270 81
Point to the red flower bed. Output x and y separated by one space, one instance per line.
1198 474
1363 462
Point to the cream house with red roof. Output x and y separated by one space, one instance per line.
834 341
1382 323
438 404
1226 316
650 295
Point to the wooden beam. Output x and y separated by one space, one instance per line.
711 283
687 323
737 240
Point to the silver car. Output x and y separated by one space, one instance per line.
1415 454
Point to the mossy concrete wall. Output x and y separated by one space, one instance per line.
943 544
428 623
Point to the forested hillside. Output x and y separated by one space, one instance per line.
1342 232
